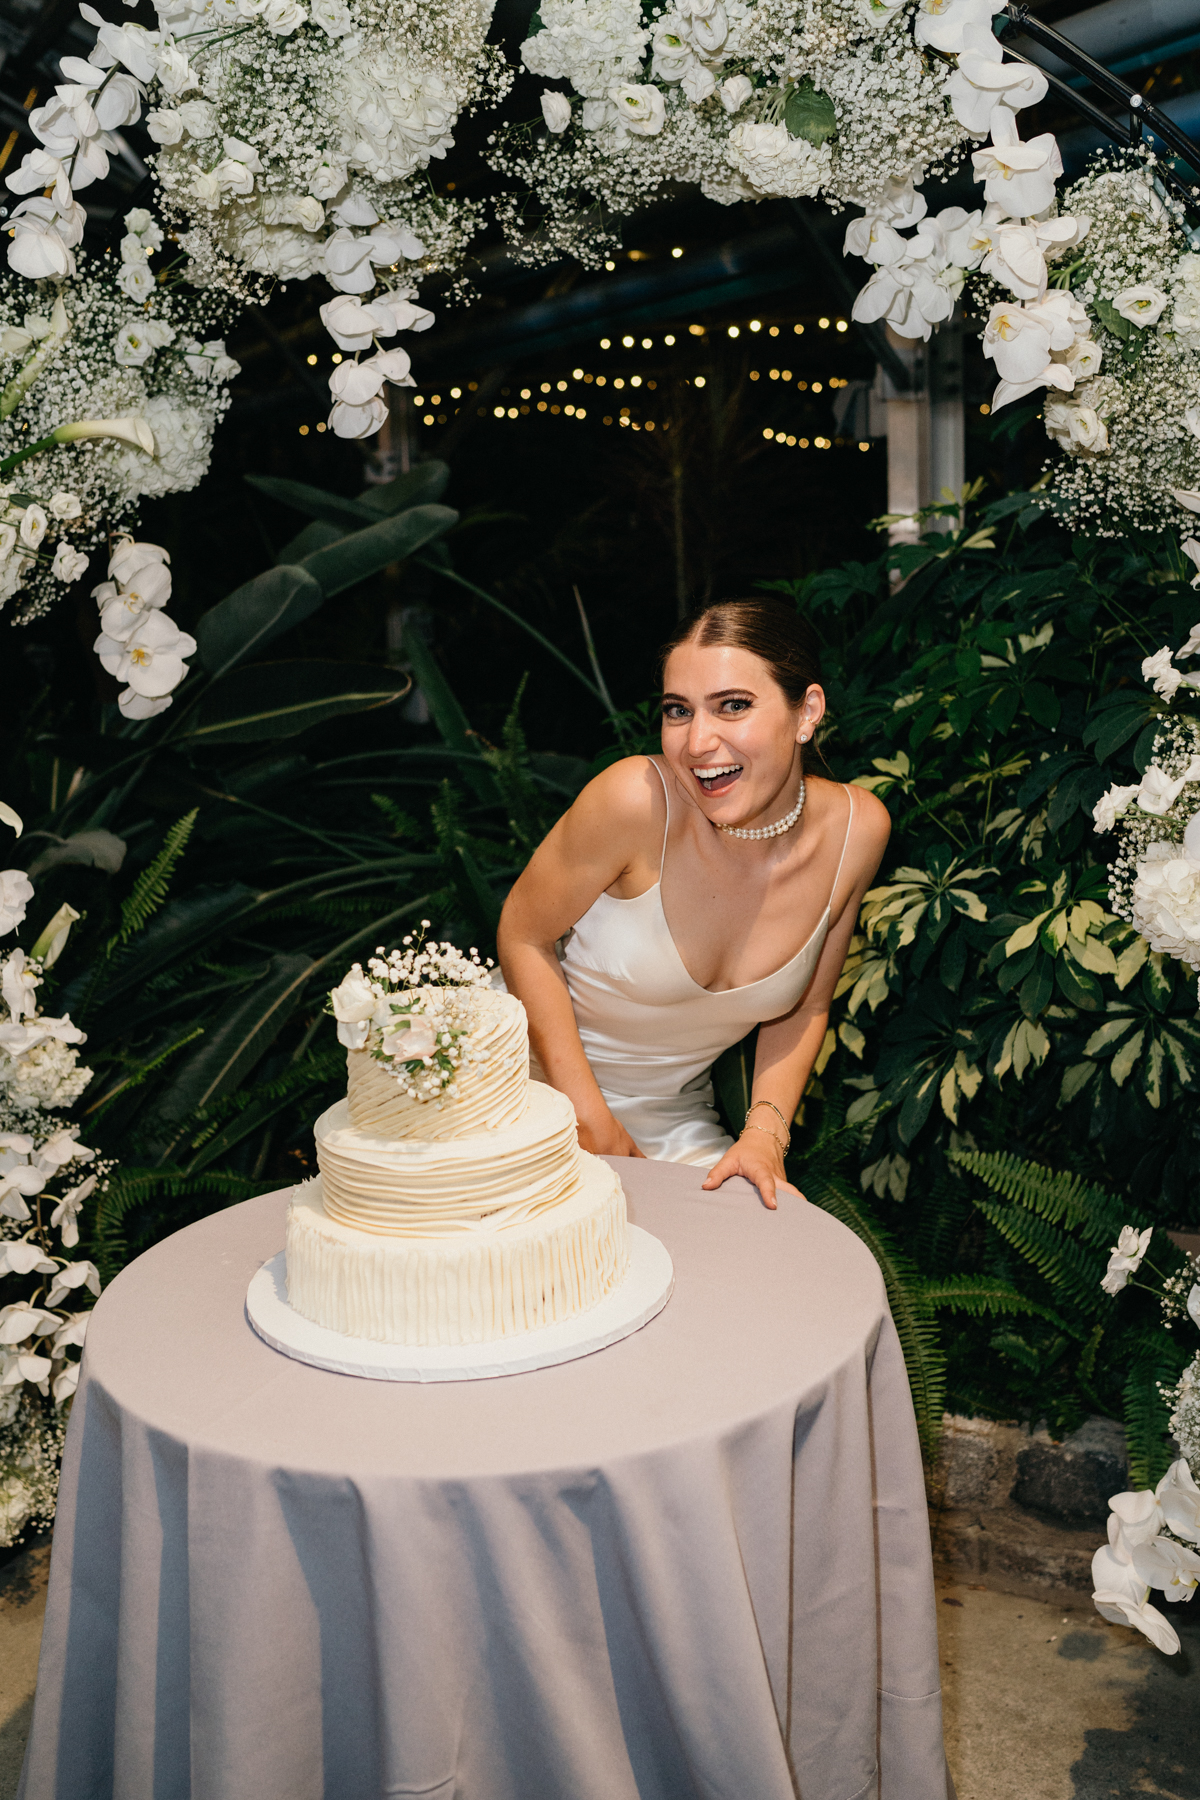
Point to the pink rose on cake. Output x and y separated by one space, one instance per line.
354 1003
408 1036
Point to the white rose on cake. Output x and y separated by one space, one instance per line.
353 1003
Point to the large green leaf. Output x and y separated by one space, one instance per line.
353 559
314 501
809 114
238 1038
277 700
416 487
252 615
448 715
314 536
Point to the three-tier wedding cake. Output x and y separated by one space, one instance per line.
453 1203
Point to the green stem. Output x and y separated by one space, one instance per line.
515 617
19 456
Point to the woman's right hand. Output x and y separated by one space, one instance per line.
606 1137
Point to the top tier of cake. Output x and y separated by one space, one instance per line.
492 1086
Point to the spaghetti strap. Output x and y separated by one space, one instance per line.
849 791
662 861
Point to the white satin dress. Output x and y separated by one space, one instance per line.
650 1033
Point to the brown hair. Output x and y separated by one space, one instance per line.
770 629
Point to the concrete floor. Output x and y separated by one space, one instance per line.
1044 1701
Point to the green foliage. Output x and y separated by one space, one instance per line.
149 891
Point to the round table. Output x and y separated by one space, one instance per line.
694 1564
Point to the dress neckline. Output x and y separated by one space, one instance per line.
716 993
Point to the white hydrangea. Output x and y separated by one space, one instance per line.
593 44
1166 902
773 162
48 1077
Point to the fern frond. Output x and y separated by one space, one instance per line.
150 889
916 1324
979 1295
403 824
1146 1415
1054 1195
141 1072
133 1186
1065 1264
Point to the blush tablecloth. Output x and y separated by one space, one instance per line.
693 1566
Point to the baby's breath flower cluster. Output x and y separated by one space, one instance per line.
111 384
46 1179
414 1010
1185 1418
1154 879
748 99
1131 433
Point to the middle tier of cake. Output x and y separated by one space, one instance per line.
420 1188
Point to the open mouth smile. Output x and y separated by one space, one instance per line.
718 778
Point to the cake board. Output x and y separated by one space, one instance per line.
637 1298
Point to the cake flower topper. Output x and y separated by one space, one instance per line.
413 1010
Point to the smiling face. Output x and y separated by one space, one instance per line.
731 735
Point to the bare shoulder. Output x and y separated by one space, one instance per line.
627 794
872 820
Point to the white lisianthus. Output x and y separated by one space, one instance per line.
333 16
165 125
1112 804
1140 305
282 17
735 92
32 528
1126 1258
353 1002
199 118
409 1038
69 564
556 110
641 108
136 280
1078 429
65 506
1159 791
1161 672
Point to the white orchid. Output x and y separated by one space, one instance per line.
18 1257
69 1279
151 659
18 985
984 80
944 24
65 1215
1159 791
16 891
1017 176
1126 1258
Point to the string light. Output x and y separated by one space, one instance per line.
677 251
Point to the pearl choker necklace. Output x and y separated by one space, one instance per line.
768 831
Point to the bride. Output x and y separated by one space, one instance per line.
685 899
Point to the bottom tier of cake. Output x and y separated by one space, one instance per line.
469 1288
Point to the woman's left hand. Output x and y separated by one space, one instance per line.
760 1164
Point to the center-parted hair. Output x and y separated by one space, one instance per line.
769 629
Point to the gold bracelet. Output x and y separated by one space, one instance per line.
774 1109
784 1147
